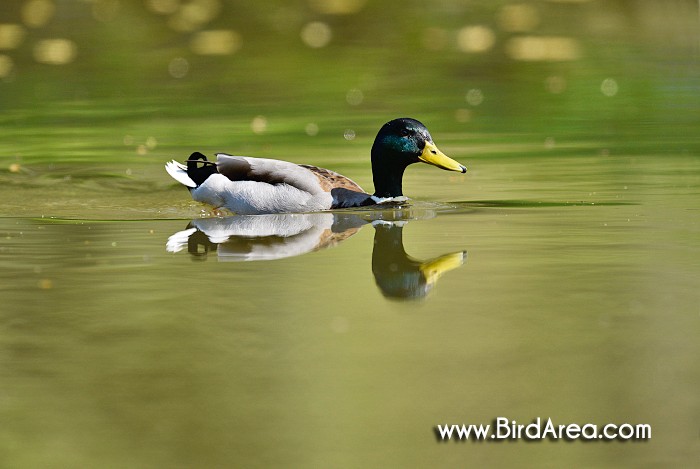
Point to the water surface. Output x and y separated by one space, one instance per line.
576 304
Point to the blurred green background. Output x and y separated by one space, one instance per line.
139 82
584 69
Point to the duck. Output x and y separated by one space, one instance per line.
252 186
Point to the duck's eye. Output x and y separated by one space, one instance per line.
404 132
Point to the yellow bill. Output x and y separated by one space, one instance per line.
435 157
434 268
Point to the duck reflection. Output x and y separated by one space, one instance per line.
270 237
263 237
399 275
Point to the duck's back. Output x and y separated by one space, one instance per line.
249 185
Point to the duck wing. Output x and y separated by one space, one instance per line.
311 179
274 172
346 192
332 180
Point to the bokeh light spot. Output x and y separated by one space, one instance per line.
536 48
55 51
474 97
609 87
11 36
216 42
337 7
518 17
201 11
36 13
191 16
316 34
178 67
311 129
354 97
475 39
258 125
163 7
349 134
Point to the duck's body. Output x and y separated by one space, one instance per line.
247 185
250 186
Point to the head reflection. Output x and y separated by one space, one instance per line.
269 237
400 276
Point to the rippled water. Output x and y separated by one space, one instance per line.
558 278
564 288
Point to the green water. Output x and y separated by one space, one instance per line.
558 278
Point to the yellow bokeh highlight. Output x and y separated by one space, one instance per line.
337 7
518 17
192 15
475 39
316 34
163 7
55 51
216 42
258 125
36 13
11 36
543 49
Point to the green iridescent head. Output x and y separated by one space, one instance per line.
399 143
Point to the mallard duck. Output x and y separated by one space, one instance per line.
250 186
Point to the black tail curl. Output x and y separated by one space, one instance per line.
199 168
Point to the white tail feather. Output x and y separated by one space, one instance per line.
178 241
178 171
